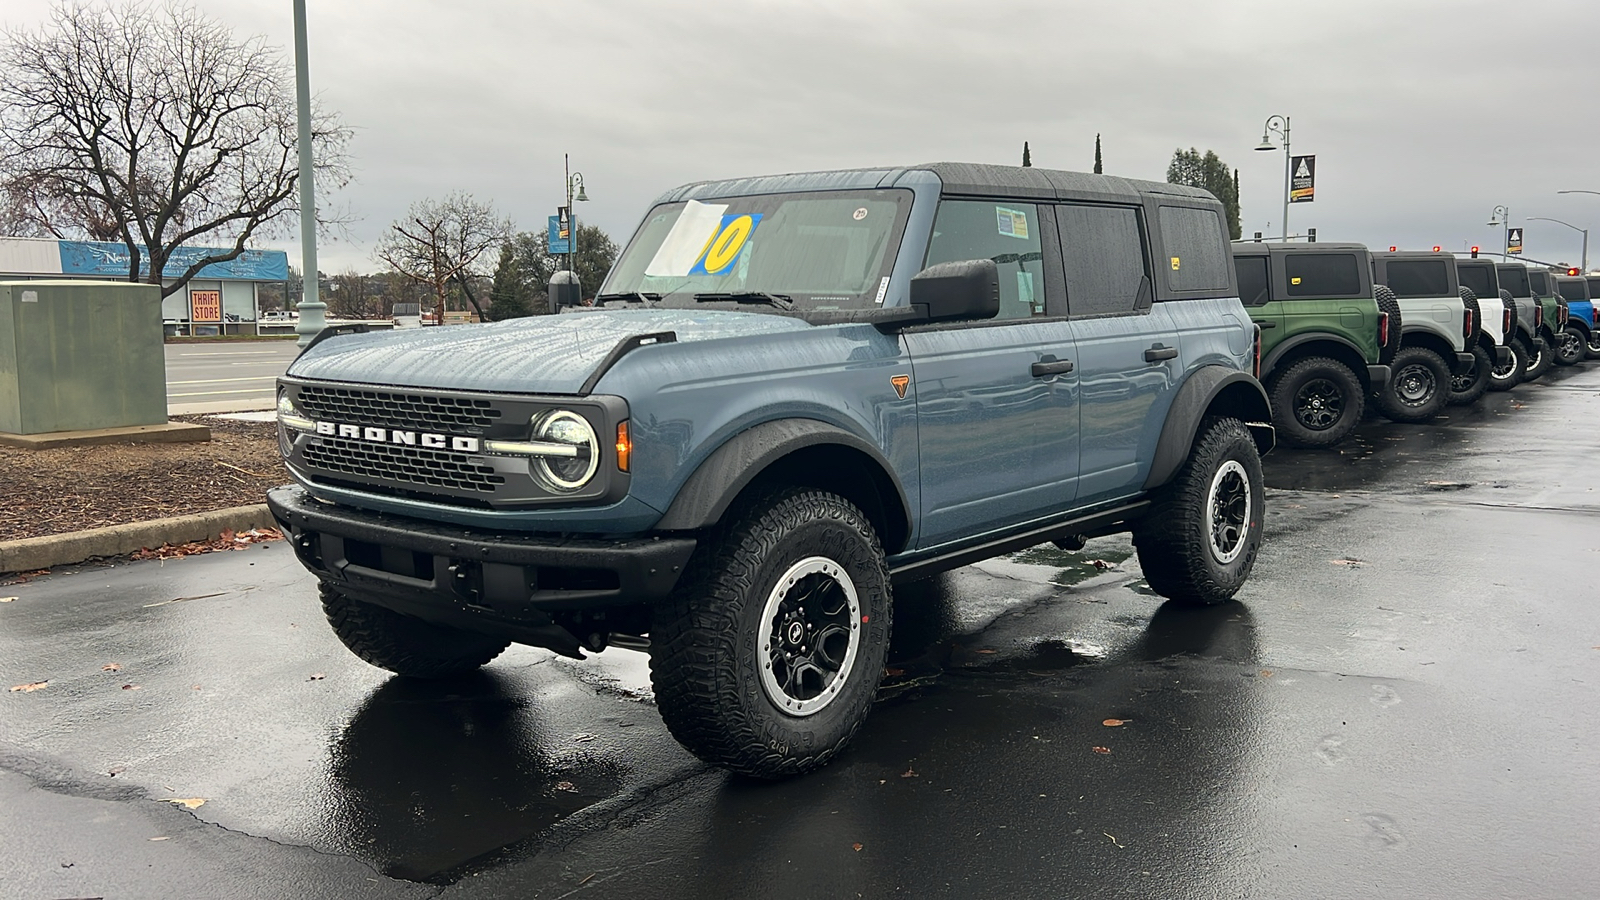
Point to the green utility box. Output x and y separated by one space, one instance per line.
80 355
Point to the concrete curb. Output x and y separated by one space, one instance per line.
28 554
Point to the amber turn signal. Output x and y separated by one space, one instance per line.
624 447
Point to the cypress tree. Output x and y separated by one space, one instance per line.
1027 157
1099 169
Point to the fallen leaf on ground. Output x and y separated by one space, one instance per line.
1102 564
185 802
1113 723
567 786
1113 839
160 839
582 737
111 667
892 673
317 676
856 846
1266 673
910 773
7 599
114 771
1347 561
1102 750
987 650
130 687
29 688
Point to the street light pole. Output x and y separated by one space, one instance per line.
1502 216
574 183
311 308
1282 128
1583 231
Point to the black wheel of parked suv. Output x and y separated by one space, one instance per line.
402 644
767 656
1387 303
1540 361
1316 402
1419 384
1593 350
1507 376
1470 385
1200 537
1569 348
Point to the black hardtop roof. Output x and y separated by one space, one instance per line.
1413 254
956 178
1480 261
1262 248
1050 184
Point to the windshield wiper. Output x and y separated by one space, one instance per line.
781 301
635 296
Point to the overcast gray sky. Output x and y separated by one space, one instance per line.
1423 115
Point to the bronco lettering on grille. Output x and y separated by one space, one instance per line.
373 435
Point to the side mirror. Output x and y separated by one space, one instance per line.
565 290
951 291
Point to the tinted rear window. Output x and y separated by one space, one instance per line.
1197 251
1252 279
1540 282
1572 289
1103 250
1322 274
1515 280
1479 279
1594 287
1418 277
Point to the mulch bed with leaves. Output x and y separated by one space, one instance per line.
73 488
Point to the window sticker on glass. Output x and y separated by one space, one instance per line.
688 240
859 214
1012 222
883 289
723 250
1025 292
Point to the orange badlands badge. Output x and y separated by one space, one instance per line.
900 382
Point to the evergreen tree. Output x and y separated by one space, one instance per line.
1099 169
508 298
1027 157
1211 173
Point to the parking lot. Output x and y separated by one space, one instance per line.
1401 703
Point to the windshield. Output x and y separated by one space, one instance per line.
828 250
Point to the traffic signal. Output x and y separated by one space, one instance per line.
1437 248
1573 270
1393 248
1311 235
1474 252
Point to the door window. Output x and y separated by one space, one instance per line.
1252 280
1006 232
1103 249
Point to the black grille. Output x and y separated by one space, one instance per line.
454 415
408 465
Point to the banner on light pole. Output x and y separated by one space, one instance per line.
1514 240
559 232
1303 179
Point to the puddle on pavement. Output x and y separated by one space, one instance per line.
1073 566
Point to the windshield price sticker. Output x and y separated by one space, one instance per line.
705 240
1012 222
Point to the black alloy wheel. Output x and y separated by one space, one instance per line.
1570 346
1468 386
1418 388
1316 401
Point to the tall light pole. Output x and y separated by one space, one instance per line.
311 308
1584 231
1280 124
574 183
1502 216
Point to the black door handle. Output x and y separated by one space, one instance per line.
1265 323
1158 353
1051 367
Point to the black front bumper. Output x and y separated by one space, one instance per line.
506 584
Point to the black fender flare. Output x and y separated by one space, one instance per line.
1581 325
1300 340
730 468
1210 387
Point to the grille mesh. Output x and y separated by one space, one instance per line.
409 465
457 415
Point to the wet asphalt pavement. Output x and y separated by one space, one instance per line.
1402 704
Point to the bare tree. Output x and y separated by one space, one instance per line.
154 127
445 243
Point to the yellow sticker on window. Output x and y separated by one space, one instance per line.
1175 264
1294 281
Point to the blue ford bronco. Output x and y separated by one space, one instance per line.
792 393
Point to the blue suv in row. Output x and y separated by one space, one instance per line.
792 393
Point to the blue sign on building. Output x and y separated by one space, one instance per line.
111 261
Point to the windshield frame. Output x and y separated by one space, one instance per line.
873 295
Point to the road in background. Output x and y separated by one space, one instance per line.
1400 704
225 377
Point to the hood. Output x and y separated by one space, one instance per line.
534 355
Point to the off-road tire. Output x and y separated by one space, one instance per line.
1388 303
1316 402
1175 537
1467 388
1592 351
1539 362
1419 386
1509 376
704 653
1570 346
402 644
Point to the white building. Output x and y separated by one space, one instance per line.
223 298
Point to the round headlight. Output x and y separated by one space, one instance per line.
567 429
